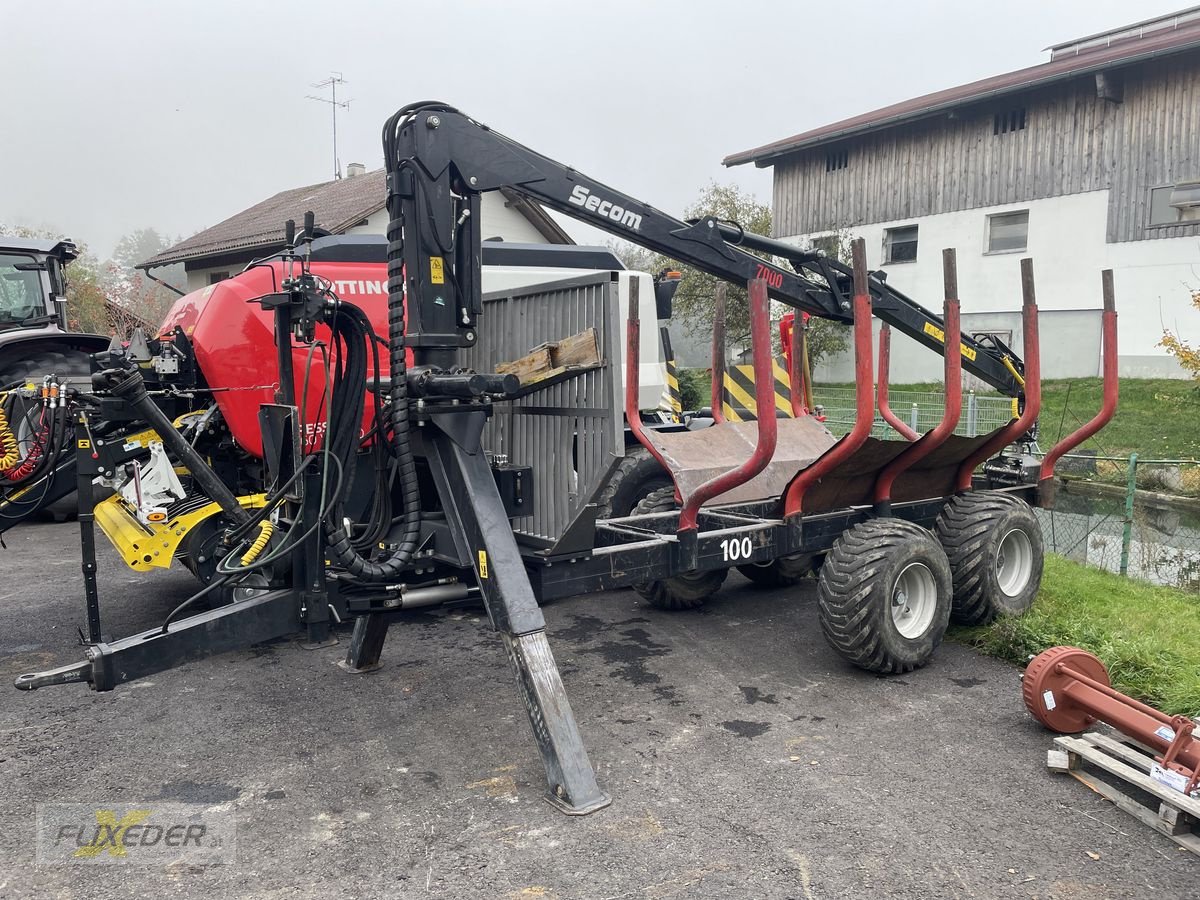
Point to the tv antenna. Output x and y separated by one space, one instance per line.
332 82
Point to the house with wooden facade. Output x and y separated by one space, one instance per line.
1087 161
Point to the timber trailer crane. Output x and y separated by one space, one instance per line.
908 532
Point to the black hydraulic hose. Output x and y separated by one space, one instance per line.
128 385
337 535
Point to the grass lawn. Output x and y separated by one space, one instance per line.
1148 636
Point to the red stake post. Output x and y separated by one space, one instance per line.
1033 383
764 401
864 393
885 409
718 355
633 349
952 374
1109 403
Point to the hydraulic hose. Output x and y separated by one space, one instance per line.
337 534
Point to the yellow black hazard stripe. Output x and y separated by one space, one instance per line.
737 400
672 399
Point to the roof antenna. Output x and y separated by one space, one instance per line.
332 82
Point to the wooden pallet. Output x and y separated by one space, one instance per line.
1177 816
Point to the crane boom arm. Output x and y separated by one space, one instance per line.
444 160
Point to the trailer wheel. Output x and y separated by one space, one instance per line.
782 572
994 544
688 590
884 595
636 477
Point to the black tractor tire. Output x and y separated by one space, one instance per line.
687 590
636 477
884 596
782 572
996 552
66 363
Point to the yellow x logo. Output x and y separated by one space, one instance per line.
109 832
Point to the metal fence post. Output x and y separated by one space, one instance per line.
972 415
1127 531
913 419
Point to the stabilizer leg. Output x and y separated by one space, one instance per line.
366 643
476 514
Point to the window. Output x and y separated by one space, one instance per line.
1006 122
215 277
900 244
1161 210
1008 232
20 289
827 244
837 159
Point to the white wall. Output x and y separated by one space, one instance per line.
497 219
1068 247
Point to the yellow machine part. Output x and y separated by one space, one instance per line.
153 546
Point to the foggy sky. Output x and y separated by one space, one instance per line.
175 115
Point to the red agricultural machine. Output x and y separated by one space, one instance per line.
316 455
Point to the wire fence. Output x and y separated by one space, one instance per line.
1122 513
1146 528
920 410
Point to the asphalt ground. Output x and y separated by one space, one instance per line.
743 757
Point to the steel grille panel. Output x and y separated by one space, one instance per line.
571 432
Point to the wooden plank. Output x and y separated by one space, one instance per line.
529 366
1101 759
554 358
1139 812
1131 755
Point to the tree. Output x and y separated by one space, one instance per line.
1188 356
132 289
695 298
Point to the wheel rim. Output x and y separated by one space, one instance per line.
1014 562
914 600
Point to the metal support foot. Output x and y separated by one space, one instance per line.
366 644
572 786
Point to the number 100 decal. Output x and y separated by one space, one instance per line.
736 548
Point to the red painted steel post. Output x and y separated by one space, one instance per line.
1031 346
864 393
633 348
1067 689
795 358
885 409
718 354
952 373
764 400
1109 404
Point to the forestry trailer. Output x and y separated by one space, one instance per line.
318 453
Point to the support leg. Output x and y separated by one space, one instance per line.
366 643
473 507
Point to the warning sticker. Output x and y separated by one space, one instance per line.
938 335
437 274
483 564
1048 699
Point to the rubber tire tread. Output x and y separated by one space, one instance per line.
637 475
854 593
687 591
969 528
782 572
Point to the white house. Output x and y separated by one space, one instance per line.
1090 160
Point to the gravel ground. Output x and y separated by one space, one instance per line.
743 757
